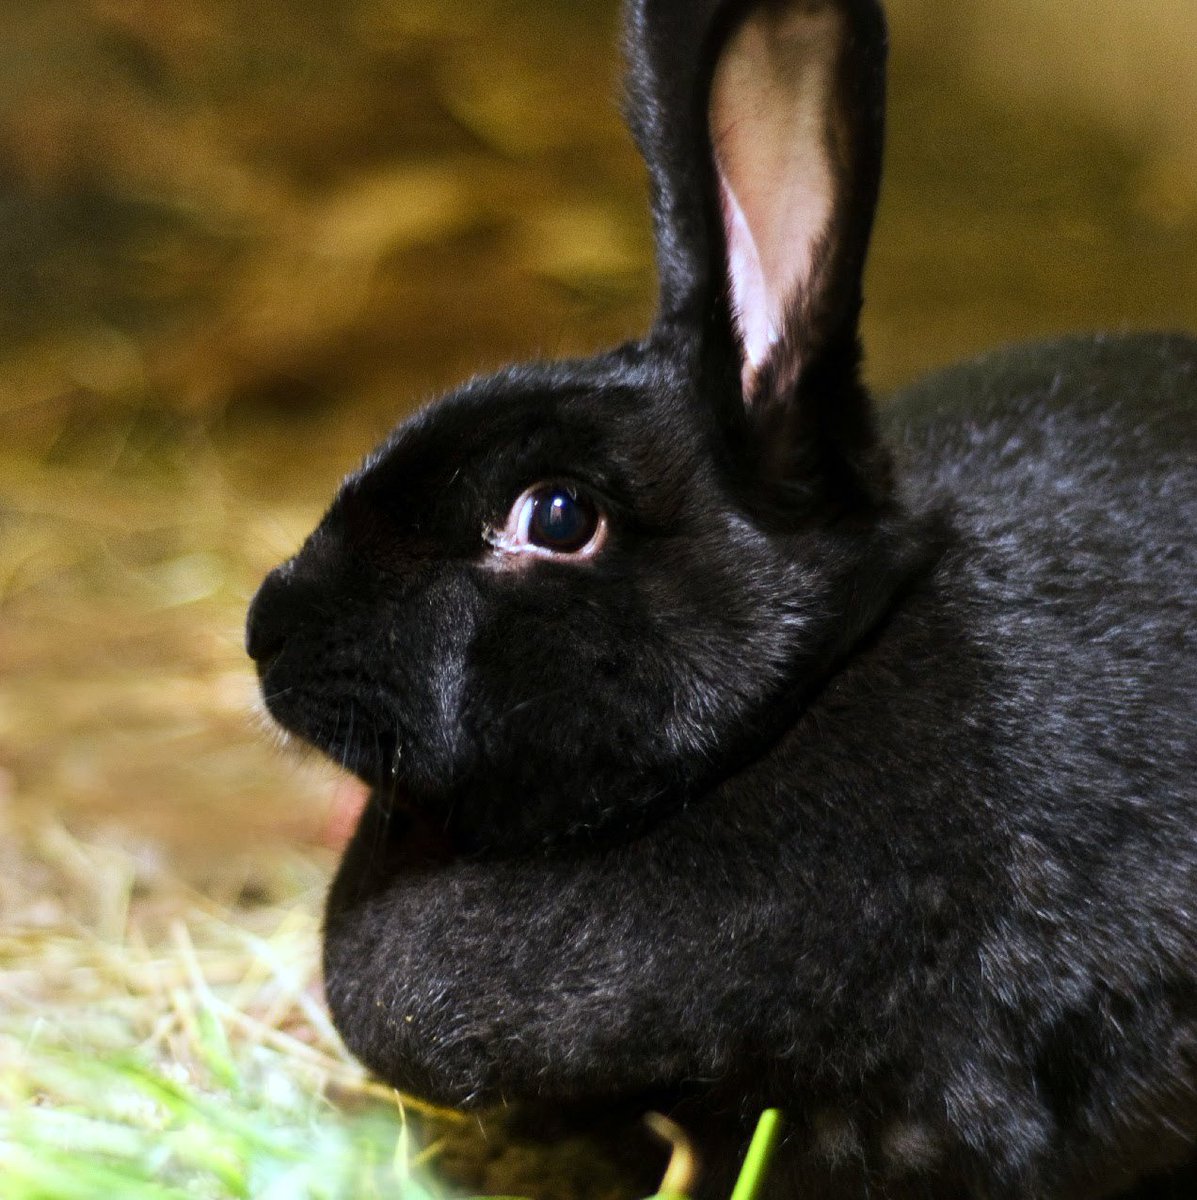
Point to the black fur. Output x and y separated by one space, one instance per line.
853 775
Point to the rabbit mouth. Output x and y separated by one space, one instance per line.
341 725
370 753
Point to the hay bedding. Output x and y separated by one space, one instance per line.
160 1042
238 239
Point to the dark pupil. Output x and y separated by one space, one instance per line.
561 521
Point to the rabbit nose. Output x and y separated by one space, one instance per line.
271 616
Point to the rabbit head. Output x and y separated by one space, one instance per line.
568 596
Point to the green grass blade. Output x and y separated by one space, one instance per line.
760 1153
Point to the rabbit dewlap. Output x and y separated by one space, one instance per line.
734 743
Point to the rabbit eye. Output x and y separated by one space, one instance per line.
552 519
557 520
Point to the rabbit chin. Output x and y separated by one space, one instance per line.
419 841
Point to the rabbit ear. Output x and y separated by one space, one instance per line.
762 124
796 117
666 44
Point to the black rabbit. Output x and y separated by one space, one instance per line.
735 745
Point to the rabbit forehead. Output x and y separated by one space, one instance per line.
629 433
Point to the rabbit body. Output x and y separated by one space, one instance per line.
946 920
781 752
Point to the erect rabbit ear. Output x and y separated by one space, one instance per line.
796 125
762 123
667 46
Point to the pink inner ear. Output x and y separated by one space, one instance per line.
769 115
758 327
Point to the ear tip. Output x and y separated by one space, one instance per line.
669 50
665 46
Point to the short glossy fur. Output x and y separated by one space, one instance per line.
855 774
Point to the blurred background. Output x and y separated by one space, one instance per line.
241 238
